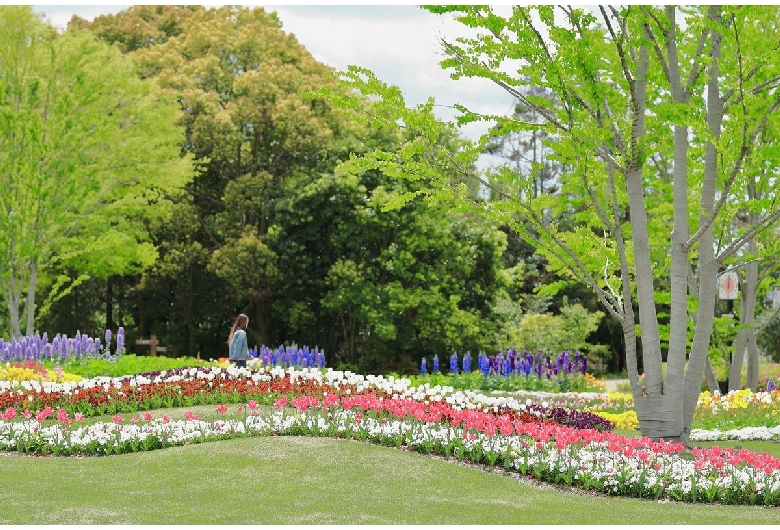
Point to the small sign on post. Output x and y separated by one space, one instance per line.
728 286
153 345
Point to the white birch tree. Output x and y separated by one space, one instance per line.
698 84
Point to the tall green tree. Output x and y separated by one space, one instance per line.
624 78
382 289
85 149
239 79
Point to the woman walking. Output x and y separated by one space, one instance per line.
238 350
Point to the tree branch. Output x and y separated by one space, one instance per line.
746 148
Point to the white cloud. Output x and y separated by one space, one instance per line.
401 45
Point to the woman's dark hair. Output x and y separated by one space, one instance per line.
241 321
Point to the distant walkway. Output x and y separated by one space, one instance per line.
612 384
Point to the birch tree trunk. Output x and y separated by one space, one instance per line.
680 268
708 265
29 305
746 335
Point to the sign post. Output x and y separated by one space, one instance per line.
728 286
153 345
728 289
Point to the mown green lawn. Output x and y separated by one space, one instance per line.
300 480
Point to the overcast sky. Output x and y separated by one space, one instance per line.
399 43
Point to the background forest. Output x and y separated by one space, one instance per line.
231 201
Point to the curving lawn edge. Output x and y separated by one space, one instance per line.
303 480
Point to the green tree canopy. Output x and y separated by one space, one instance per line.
85 149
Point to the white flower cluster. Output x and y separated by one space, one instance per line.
643 473
745 433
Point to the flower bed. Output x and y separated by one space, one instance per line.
496 430
738 409
207 385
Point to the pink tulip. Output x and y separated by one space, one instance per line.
166 419
78 416
146 416
222 409
62 415
117 419
252 404
10 413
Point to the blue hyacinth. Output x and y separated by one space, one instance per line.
435 364
423 367
454 363
467 363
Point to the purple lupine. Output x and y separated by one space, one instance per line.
435 364
467 363
510 356
266 355
539 363
120 341
484 364
498 364
423 367
108 341
527 367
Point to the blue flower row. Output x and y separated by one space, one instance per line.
517 363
